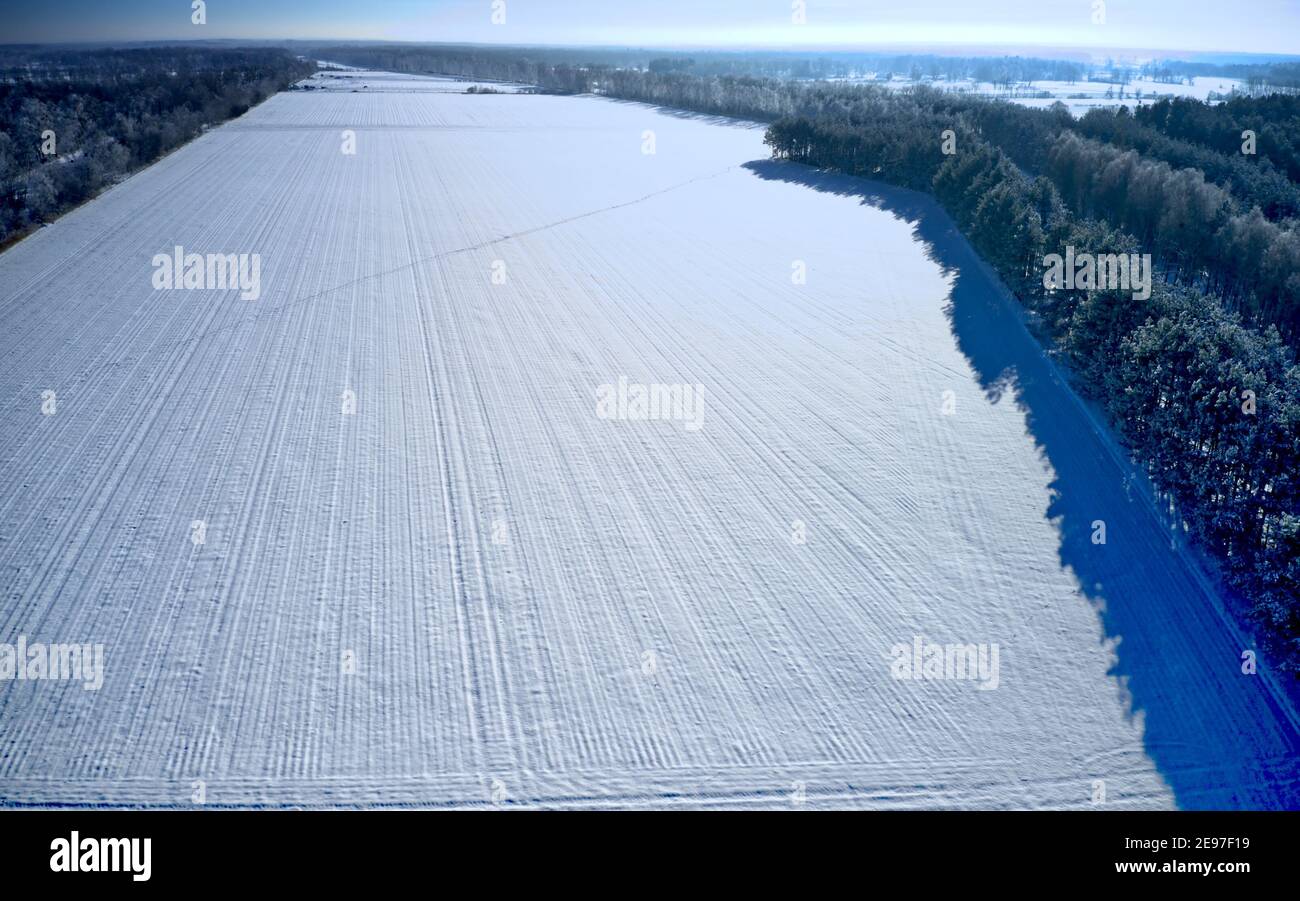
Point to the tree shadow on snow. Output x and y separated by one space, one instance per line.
1221 739
689 115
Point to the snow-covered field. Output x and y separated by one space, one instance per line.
1081 96
345 78
372 539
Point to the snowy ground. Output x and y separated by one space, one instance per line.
1081 96
474 590
347 78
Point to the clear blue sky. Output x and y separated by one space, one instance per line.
1263 26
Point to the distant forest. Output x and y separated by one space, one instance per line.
74 121
1200 379
514 64
510 63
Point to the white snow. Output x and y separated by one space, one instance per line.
474 589
347 78
1081 96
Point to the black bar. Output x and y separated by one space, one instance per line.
216 849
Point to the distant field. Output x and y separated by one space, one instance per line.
470 588
347 78
1081 96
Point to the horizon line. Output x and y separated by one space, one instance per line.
992 49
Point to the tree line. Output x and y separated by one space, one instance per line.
1274 118
74 121
1253 180
1204 234
1196 228
512 63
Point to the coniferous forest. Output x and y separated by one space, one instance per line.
1199 380
73 121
